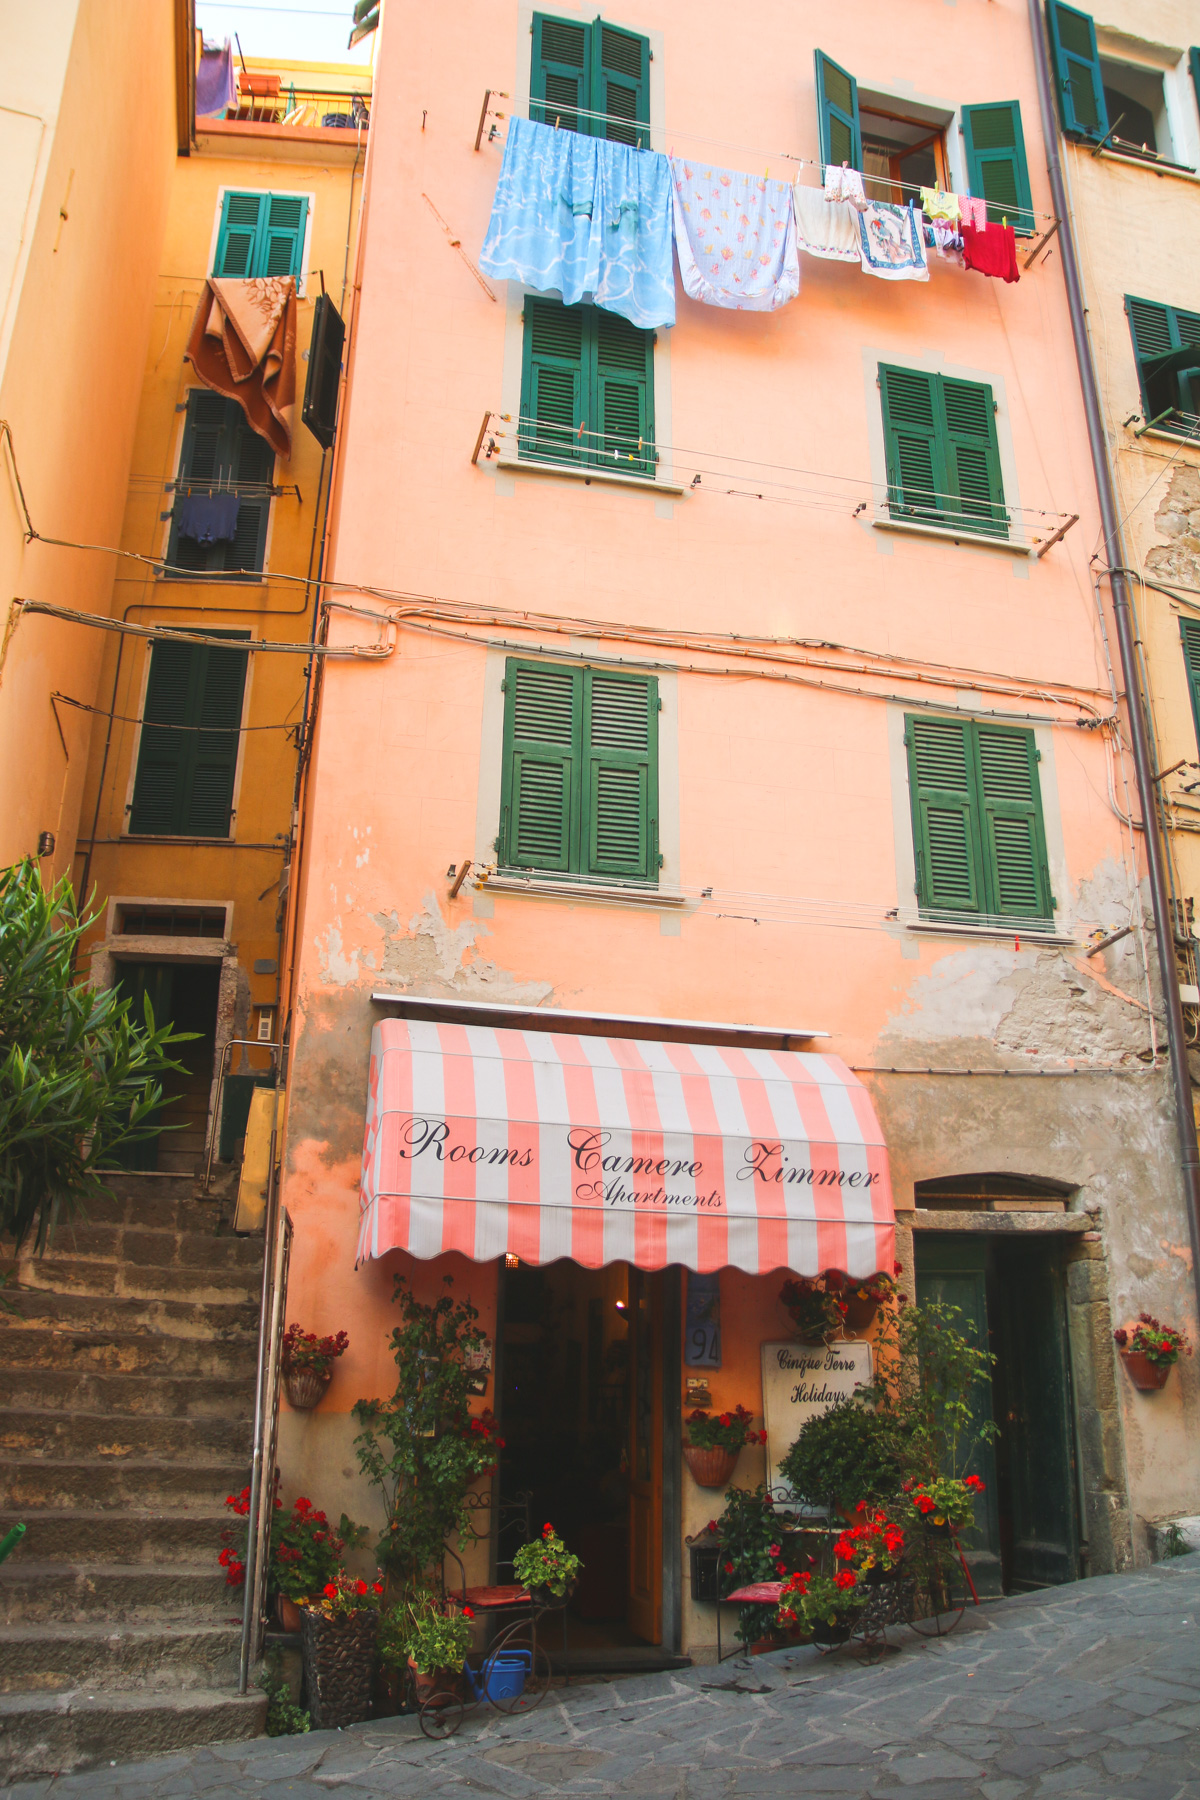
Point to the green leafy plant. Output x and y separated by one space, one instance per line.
816 1308
79 1079
1159 1344
344 1594
849 1454
873 1542
391 1638
945 1500
1171 1541
814 1600
421 1447
306 1551
436 1639
546 1563
283 1718
722 1431
931 1389
751 1533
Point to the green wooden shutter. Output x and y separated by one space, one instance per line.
620 788
1016 873
163 755
942 792
976 498
184 780
620 85
208 787
562 50
916 476
540 784
623 389
1194 65
837 114
238 237
1166 341
1077 70
281 251
554 385
996 167
1190 631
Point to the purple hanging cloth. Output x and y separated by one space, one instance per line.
216 89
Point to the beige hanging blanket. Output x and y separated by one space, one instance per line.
243 344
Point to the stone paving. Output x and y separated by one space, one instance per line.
1090 1691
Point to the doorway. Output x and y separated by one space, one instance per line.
186 994
580 1399
1012 1293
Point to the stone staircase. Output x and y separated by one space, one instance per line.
126 1413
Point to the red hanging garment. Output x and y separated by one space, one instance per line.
992 250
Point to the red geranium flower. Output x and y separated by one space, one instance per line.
729 1568
360 1587
330 1591
468 1613
844 1579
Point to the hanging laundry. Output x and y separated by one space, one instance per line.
243 344
992 251
845 184
735 237
208 518
586 219
972 212
946 239
823 230
939 207
890 243
216 88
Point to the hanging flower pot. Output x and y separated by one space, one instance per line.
860 1314
306 1387
287 1612
1145 1375
711 1468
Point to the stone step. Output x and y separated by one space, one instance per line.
152 1245
137 1395
98 1276
55 1435
101 1655
42 1482
36 1592
77 1353
128 1536
114 1312
45 1734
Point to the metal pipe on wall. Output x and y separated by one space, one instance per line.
1139 734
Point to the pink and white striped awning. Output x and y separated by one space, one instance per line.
544 1145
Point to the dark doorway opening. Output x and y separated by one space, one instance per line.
186 994
1011 1290
580 1398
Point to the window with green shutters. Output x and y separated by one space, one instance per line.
261 234
591 77
1190 631
997 170
978 834
1166 343
579 794
1077 71
220 451
184 781
943 460
587 389
837 114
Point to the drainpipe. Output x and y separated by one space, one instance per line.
1138 733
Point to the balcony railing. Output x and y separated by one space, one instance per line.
273 100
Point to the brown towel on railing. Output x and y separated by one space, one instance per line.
243 344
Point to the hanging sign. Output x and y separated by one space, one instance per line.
702 1326
799 1382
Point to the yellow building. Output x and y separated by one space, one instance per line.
187 816
94 104
1131 115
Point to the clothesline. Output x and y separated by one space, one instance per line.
801 162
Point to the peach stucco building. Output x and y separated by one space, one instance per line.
864 793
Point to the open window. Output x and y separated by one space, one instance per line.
1137 110
1166 343
903 148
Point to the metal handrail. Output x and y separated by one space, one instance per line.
277 1250
215 1127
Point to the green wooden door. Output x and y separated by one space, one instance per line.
952 1269
136 982
1033 1395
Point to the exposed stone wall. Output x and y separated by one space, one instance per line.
1178 520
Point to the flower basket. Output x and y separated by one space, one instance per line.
339 1666
1145 1375
306 1387
827 1636
437 1681
548 1599
860 1314
710 1468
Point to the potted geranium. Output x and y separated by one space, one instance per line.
337 1636
1150 1351
862 1299
547 1569
872 1549
305 1554
307 1362
825 1606
435 1642
714 1440
945 1506
816 1307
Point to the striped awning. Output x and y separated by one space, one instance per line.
544 1145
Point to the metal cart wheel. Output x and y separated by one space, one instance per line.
522 1635
441 1715
939 1592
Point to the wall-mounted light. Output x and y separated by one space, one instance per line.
511 1261
621 1306
45 843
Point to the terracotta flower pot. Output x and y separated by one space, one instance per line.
287 1612
437 1681
710 1468
306 1387
860 1314
1145 1375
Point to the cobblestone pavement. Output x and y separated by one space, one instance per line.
1091 1690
